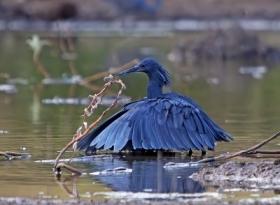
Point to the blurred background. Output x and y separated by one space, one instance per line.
110 10
224 54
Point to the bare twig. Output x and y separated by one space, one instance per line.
78 136
40 66
265 152
5 155
252 150
68 167
16 153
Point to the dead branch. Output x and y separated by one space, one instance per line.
265 152
252 150
68 167
78 136
5 155
16 153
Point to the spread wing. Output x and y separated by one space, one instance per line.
173 122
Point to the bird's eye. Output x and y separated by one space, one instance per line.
143 65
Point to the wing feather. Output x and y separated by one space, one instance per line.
170 122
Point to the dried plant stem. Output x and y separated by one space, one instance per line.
78 138
252 150
40 66
265 152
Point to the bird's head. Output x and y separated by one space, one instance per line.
152 68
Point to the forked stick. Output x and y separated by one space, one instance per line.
78 136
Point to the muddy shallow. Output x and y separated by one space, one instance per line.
245 175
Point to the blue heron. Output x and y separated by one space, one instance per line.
160 121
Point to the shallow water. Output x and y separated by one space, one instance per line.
248 108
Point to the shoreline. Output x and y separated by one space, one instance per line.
139 27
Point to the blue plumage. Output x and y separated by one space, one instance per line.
166 121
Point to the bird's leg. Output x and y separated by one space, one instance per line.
190 153
159 154
203 153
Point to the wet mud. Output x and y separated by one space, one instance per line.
244 175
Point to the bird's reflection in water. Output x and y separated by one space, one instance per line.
148 175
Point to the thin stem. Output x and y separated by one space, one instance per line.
251 150
78 138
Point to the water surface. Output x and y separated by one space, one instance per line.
248 108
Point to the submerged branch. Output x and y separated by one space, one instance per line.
5 155
68 167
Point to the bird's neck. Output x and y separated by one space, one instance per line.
154 89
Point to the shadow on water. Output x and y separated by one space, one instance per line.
148 175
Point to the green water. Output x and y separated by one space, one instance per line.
247 108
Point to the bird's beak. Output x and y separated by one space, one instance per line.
129 70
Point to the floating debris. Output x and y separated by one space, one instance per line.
4 132
106 100
79 159
180 165
8 88
15 155
257 72
117 170
75 79
20 81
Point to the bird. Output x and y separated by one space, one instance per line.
161 121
